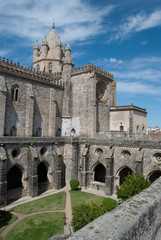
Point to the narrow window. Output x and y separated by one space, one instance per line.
50 68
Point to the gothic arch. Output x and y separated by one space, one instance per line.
122 173
15 93
13 131
14 177
99 172
72 132
42 172
152 176
58 132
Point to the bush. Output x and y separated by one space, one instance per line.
74 183
109 203
133 184
86 213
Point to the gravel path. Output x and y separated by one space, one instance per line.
67 211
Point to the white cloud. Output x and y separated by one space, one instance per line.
4 52
74 19
77 54
137 23
137 88
139 75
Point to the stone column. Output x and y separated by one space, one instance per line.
139 161
3 174
109 179
3 93
84 173
33 177
58 179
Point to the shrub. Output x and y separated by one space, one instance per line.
133 184
86 213
109 203
74 183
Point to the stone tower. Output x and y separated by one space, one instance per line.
49 58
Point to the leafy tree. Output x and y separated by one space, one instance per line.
133 184
86 213
74 183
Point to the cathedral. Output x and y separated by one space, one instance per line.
60 122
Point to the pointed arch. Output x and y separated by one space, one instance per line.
99 173
42 172
123 172
13 131
15 93
14 177
152 176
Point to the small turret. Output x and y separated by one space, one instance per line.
36 49
68 62
44 48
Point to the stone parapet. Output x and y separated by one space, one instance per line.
88 67
15 69
138 218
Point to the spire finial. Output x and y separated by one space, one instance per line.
53 23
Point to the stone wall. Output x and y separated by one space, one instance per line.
138 218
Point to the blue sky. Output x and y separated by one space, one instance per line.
122 37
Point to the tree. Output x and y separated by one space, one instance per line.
74 183
133 184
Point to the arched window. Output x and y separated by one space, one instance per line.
121 128
50 68
72 133
15 93
14 178
58 132
154 175
100 173
13 131
123 173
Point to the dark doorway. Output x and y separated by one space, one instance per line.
100 173
14 184
42 172
154 175
123 173
14 178
42 178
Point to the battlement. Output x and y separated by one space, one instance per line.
13 68
95 68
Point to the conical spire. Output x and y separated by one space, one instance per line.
45 41
36 45
68 58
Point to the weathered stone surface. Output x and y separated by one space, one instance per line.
138 218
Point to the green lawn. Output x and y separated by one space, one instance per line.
78 197
6 218
52 202
40 226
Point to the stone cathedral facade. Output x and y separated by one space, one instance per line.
59 122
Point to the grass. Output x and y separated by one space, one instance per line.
52 202
40 226
6 218
78 197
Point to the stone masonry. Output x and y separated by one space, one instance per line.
59 122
